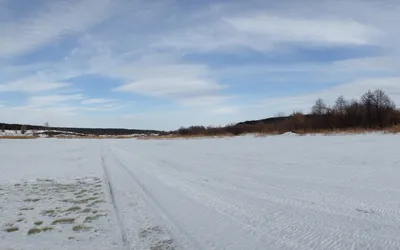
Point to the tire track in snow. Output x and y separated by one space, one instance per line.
114 203
339 205
235 214
296 230
293 222
181 236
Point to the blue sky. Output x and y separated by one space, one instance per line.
171 63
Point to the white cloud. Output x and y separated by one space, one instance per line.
159 75
378 63
173 87
31 84
278 29
96 101
49 100
54 20
185 84
265 31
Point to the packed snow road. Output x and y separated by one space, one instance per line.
278 192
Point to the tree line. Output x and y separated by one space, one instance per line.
374 110
84 131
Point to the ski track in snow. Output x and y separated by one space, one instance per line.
278 192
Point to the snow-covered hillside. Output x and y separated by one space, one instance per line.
56 133
34 133
274 192
19 133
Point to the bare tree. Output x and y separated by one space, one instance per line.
341 105
383 105
382 100
319 107
368 101
3 128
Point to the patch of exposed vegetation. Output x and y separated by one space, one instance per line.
20 220
163 245
94 217
38 223
12 229
87 210
83 201
47 229
45 180
150 231
73 209
37 230
81 228
34 231
95 202
63 221
50 213
32 200
26 208
80 201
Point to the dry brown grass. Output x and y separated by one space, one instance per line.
92 137
394 129
18 137
187 137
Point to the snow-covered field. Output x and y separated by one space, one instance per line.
276 192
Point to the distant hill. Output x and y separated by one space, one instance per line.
89 131
270 120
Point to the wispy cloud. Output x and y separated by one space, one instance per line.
49 23
31 84
96 101
50 100
263 31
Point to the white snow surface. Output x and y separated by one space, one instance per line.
274 192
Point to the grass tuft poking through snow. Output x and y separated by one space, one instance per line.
63 221
12 229
38 223
73 209
40 230
57 209
81 228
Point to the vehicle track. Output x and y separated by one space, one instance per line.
182 240
299 233
110 190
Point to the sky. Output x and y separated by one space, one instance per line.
171 63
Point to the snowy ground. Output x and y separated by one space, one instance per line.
276 192
33 133
45 134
